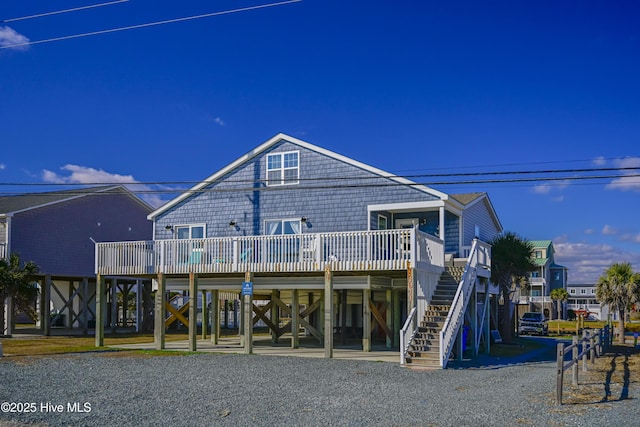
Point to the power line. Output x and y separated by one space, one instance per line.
150 24
260 187
58 12
391 176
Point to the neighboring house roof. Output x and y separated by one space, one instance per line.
469 199
10 205
283 137
540 243
540 262
554 265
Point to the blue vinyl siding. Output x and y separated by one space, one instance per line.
478 215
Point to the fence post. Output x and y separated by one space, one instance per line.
598 344
574 358
559 372
592 345
585 350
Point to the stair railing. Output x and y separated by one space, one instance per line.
455 318
407 333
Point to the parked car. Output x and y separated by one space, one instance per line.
533 323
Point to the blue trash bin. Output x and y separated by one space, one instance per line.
465 334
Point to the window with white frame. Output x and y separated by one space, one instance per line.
195 231
283 168
282 226
583 291
572 291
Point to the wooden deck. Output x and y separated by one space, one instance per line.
358 251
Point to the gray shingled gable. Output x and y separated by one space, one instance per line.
286 139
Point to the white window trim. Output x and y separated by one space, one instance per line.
282 221
191 227
273 183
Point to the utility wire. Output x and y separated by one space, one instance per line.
365 178
260 187
75 9
150 24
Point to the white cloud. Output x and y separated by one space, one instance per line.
547 188
599 161
2 166
587 262
626 183
219 121
589 231
607 230
87 175
9 37
542 189
630 237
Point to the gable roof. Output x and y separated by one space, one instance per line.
543 244
275 140
470 199
10 205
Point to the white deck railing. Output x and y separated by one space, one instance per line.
407 333
3 250
347 251
478 265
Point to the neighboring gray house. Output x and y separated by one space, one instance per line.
547 276
310 227
57 231
582 297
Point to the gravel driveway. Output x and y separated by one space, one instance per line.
126 389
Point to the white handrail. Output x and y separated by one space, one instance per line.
347 251
406 335
455 318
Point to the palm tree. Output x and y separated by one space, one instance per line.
559 295
511 261
619 287
16 282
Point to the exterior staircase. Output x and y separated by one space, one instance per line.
424 350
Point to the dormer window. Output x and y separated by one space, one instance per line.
283 168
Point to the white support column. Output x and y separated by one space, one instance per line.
85 305
204 315
366 320
8 316
215 316
46 306
114 305
275 315
160 313
247 317
139 310
295 313
442 224
328 312
193 311
389 315
101 305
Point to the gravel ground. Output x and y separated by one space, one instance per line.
239 390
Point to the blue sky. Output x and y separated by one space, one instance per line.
410 87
